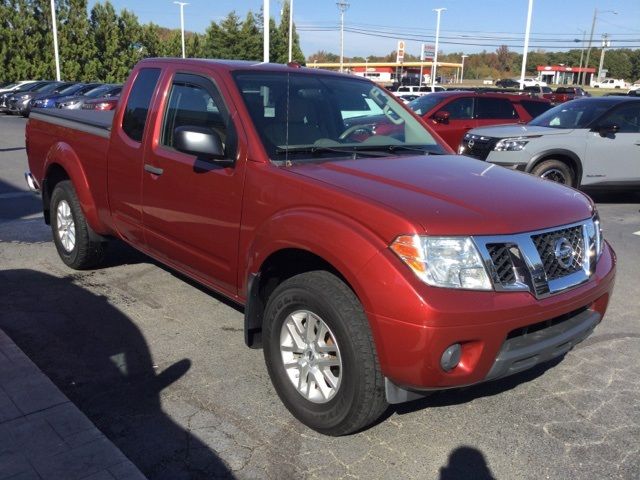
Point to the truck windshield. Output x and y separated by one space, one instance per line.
575 114
301 117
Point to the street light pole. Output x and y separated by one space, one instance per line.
462 71
526 45
342 6
435 54
55 38
265 33
182 4
290 30
421 64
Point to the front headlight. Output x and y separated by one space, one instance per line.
511 145
450 262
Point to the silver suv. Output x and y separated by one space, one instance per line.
585 142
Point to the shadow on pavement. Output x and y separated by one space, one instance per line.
16 204
100 360
466 463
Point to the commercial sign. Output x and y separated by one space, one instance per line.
400 52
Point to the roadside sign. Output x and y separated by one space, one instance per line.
429 51
400 52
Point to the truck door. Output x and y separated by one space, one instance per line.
192 205
615 157
125 167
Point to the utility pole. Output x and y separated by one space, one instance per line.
182 4
290 30
593 26
462 71
435 54
343 5
526 45
584 33
55 38
421 64
265 33
605 44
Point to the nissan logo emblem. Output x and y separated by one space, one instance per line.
564 252
471 143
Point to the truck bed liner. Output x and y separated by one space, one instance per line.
90 121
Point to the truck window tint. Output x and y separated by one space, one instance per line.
191 104
535 108
460 109
135 113
491 108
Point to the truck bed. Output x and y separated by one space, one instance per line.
90 121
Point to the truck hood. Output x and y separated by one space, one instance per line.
505 131
454 195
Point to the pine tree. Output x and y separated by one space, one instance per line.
129 44
250 39
76 46
104 25
296 52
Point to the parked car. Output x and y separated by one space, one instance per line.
564 94
539 91
532 82
451 114
507 83
103 103
15 86
610 83
19 103
369 273
23 88
24 105
75 102
590 142
49 101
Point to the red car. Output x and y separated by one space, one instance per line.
452 114
373 264
105 103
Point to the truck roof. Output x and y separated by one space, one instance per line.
235 65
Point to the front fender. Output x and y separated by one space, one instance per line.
62 154
341 241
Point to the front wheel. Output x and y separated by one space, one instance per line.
556 171
70 230
320 354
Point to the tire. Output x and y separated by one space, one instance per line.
556 171
70 230
356 397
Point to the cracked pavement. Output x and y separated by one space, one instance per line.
159 365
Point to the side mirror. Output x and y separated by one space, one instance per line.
607 129
441 116
198 141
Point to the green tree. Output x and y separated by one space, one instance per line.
250 39
296 52
77 49
106 37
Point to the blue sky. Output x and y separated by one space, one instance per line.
467 25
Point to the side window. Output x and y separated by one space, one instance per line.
460 109
626 117
535 108
494 108
195 101
135 113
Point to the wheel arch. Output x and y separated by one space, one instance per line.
315 240
562 154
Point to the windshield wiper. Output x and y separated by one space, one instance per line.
351 150
396 148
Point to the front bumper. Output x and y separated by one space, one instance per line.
500 333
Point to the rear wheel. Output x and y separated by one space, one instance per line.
70 230
556 171
320 354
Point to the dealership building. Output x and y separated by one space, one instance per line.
563 75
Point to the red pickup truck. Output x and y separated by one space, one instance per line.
373 265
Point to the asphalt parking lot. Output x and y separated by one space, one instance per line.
159 365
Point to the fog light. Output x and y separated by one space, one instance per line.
451 357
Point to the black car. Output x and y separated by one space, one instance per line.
507 83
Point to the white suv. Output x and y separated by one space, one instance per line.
610 83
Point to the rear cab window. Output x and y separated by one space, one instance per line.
137 108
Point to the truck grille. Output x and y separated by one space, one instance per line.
477 146
546 245
543 262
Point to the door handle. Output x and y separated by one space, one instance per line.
152 169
